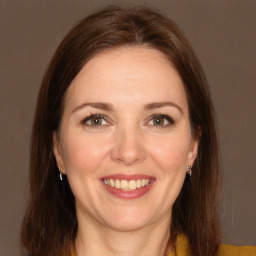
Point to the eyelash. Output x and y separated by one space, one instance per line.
103 117
88 118
166 117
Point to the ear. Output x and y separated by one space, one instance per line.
57 152
194 146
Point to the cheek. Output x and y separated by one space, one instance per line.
83 153
170 153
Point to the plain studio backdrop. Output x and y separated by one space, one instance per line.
224 37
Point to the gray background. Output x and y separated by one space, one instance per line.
224 37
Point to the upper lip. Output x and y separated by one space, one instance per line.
128 177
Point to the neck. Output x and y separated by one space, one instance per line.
97 240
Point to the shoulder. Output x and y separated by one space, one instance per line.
230 250
182 249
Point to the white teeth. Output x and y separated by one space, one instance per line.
112 183
117 184
138 184
132 184
124 184
127 185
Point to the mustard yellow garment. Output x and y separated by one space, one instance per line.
224 250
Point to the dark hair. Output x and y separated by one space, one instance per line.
50 224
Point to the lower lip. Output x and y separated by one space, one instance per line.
134 194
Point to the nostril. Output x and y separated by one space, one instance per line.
128 153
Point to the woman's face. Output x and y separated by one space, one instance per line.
125 139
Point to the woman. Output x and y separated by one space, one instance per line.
123 113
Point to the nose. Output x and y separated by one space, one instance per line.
128 148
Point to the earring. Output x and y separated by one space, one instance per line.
189 171
60 174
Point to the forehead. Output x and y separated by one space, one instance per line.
127 61
132 73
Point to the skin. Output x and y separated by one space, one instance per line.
128 141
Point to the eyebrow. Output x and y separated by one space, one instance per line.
98 105
155 105
109 107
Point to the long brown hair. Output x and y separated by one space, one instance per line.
50 223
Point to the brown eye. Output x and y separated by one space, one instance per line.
161 120
158 121
96 121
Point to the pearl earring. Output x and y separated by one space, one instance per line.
60 174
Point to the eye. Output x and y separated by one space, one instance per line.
161 120
95 120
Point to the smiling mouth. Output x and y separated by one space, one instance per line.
127 185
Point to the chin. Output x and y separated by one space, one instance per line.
130 220
126 225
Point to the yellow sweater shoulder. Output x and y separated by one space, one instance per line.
182 249
230 250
